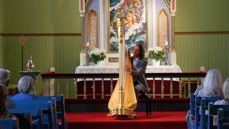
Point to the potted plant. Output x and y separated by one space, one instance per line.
96 55
155 55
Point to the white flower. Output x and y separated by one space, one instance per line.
155 49
96 55
96 51
156 53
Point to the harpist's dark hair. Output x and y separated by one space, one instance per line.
142 51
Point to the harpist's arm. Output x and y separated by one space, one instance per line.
139 71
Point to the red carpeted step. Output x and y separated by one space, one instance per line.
100 120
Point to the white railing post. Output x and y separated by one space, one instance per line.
76 88
84 89
93 87
180 88
102 89
171 87
154 88
162 87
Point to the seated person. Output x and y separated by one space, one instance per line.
212 86
225 94
4 114
138 70
25 87
4 81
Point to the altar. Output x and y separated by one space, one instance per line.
114 69
104 86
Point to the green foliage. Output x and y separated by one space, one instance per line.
95 58
156 54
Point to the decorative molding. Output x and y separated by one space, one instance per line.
40 34
101 26
203 33
159 24
91 12
155 40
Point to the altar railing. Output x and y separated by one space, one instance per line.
162 85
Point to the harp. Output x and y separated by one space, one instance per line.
123 100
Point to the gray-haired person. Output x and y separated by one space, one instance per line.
4 81
26 88
4 76
212 86
225 101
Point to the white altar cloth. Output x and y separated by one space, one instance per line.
114 69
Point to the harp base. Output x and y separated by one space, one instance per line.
121 113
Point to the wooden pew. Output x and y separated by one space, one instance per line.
204 109
212 115
200 109
9 124
223 117
46 107
60 108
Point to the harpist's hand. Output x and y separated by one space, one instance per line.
127 69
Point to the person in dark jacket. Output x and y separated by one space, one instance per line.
139 64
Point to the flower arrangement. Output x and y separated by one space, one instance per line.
156 53
96 55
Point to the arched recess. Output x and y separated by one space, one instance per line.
163 28
92 28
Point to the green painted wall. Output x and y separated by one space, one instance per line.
60 52
62 16
209 50
202 15
1 52
41 16
1 28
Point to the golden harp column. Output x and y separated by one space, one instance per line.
123 99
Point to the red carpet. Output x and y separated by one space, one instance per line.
99 120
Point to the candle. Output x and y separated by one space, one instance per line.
166 43
87 45
82 58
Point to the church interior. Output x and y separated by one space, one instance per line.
98 64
